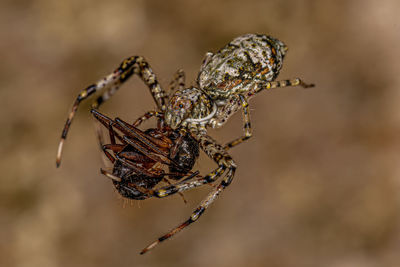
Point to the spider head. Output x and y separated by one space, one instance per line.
185 104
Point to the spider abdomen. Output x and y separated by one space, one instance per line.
241 63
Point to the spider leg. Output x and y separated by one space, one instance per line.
196 213
222 158
245 106
110 83
178 81
207 57
279 84
147 116
246 127
141 189
214 151
180 193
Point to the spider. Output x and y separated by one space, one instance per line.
136 159
226 81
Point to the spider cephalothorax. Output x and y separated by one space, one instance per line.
226 81
188 105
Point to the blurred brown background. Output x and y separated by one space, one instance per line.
317 185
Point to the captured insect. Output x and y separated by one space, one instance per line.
140 157
246 66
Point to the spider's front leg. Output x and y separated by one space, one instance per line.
110 84
148 115
178 82
226 166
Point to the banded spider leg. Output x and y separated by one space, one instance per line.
243 101
110 84
226 167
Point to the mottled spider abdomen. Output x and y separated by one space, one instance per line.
241 63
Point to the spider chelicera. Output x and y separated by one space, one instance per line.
226 81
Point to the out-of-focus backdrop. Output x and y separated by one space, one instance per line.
317 185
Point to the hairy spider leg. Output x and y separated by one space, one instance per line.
279 84
144 190
225 162
132 65
180 193
247 125
178 82
214 151
206 59
146 116
245 105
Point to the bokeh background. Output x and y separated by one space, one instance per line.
317 185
